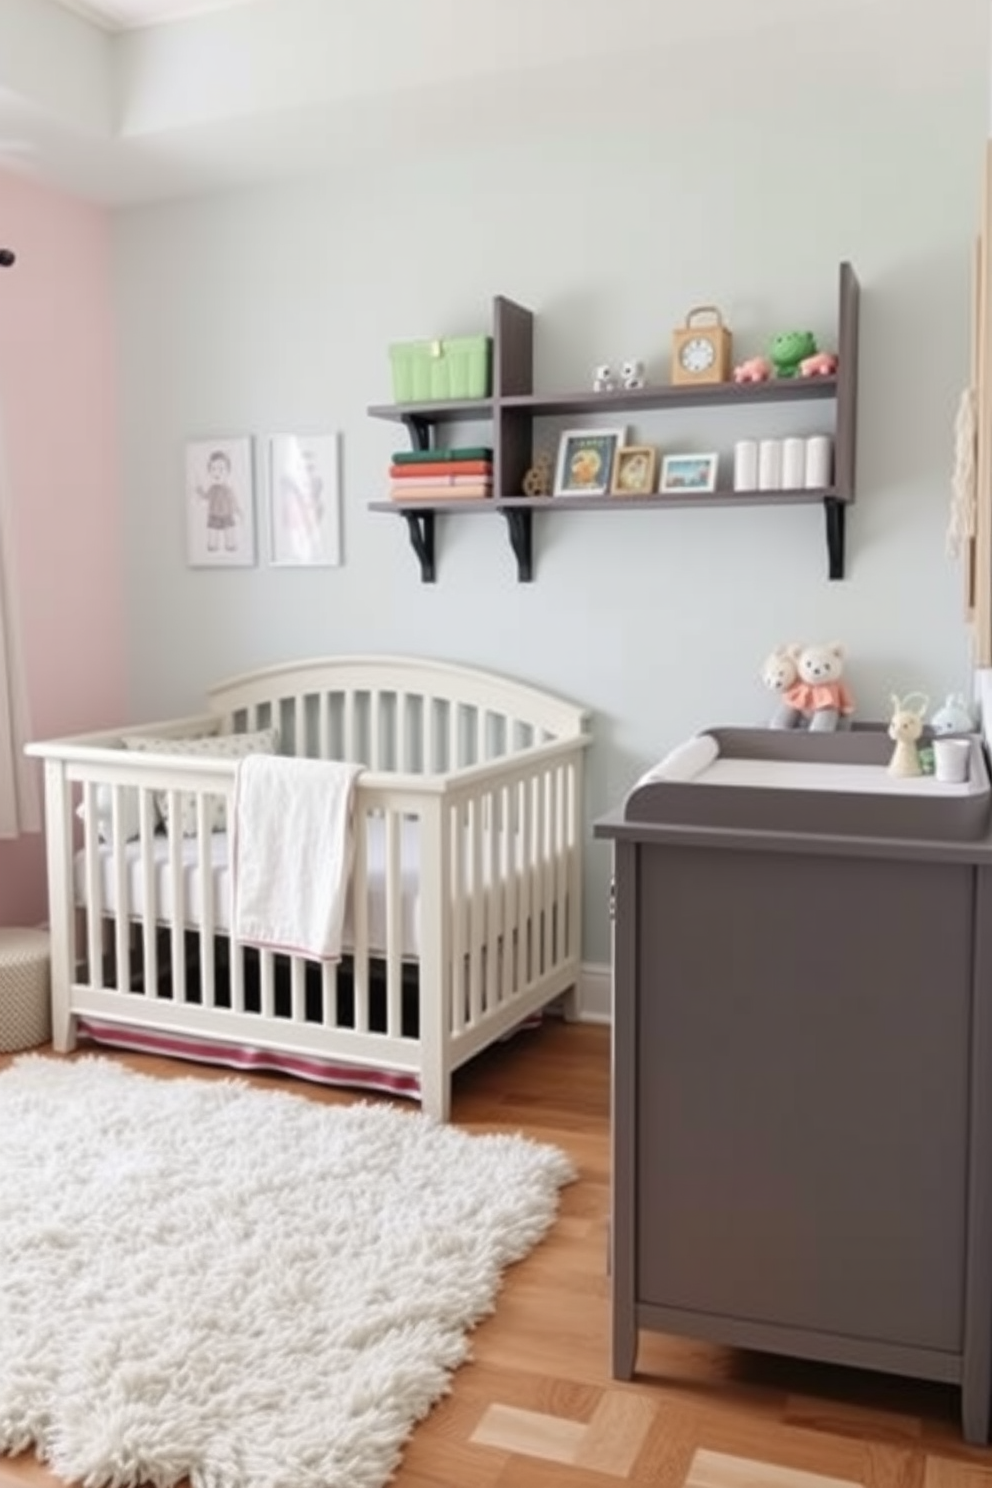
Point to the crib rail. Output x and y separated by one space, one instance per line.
396 714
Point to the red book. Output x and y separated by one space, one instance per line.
440 469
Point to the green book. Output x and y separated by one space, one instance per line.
433 456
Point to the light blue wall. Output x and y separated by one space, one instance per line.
271 310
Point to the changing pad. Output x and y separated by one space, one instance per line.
785 781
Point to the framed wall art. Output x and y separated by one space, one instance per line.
585 461
685 475
304 501
635 471
220 503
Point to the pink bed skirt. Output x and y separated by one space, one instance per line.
243 1057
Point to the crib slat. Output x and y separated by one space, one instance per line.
266 962
324 725
508 873
175 897
401 753
208 985
394 927
122 907
551 853
574 918
375 736
429 736
300 727
547 811
524 907
360 916
454 727
329 993
149 894
561 862
349 726
478 911
236 957
493 902
92 876
297 986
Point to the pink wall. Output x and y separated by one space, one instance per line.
59 419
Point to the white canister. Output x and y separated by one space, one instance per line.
793 464
770 465
819 462
951 760
746 465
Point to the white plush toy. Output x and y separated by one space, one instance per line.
779 671
632 374
818 697
603 380
905 728
953 716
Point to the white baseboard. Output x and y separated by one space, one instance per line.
595 997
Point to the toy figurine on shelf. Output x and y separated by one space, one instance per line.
755 369
603 379
537 481
905 728
789 349
632 375
953 716
820 364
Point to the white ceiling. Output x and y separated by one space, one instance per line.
121 107
124 15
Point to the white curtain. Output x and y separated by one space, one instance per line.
20 808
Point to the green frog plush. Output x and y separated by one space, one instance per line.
788 349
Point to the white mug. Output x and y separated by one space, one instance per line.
950 760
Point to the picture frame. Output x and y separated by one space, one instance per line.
635 471
220 503
304 500
688 474
585 462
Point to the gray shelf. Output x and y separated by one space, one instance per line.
514 406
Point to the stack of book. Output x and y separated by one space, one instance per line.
441 474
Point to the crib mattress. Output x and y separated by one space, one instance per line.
190 911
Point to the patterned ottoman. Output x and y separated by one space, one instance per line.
25 1006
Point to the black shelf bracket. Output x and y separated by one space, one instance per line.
519 524
835 511
421 528
420 430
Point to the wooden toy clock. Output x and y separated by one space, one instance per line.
702 352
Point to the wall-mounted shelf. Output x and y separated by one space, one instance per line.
515 405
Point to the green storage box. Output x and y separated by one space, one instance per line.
433 371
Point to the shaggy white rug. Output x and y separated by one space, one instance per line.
240 1286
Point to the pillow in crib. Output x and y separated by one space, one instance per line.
211 746
103 796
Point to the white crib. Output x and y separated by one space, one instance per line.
465 912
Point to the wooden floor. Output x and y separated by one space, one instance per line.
536 1407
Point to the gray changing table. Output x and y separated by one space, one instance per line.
802 1064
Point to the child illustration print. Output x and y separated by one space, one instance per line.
223 508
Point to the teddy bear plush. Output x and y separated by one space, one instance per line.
779 671
817 697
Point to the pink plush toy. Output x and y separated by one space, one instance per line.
823 364
756 369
